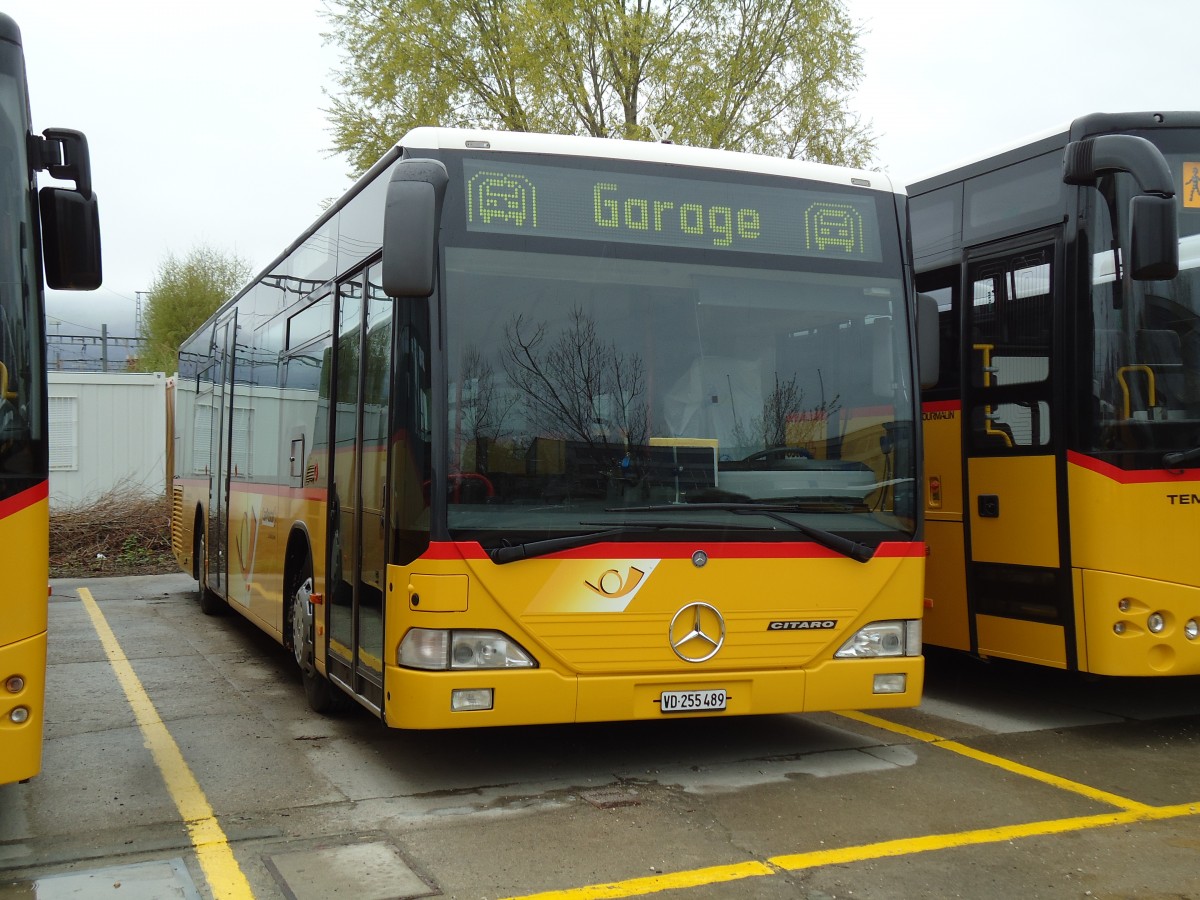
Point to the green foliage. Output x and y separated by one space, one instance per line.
134 552
183 294
769 76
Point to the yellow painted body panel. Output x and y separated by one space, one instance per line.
260 523
1134 540
1135 528
1032 642
946 622
943 462
599 629
24 559
1026 531
21 745
1137 650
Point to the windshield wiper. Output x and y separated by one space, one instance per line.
507 553
1180 458
855 550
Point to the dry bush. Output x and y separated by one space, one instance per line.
119 533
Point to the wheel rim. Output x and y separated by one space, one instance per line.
302 614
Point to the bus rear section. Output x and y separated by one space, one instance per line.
574 430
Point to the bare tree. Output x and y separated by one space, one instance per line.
784 421
577 386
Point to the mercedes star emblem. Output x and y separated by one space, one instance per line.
697 632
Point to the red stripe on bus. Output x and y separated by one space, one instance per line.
451 550
942 406
25 499
1121 476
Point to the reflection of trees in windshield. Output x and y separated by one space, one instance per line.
573 384
576 386
785 421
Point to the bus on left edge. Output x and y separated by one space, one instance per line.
56 228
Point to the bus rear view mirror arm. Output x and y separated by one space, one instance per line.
1085 161
1154 234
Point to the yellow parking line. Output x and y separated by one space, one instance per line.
926 843
221 869
637 887
1132 811
668 881
999 762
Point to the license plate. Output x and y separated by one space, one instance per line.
692 701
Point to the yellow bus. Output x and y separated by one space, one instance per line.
1062 440
536 429
58 229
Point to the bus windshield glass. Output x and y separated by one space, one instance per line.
21 368
1146 350
671 349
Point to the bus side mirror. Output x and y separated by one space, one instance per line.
70 239
411 220
928 342
1153 238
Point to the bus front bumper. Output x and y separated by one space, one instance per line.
419 700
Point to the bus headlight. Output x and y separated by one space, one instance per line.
441 649
898 638
1192 629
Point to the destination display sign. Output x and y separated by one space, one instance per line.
711 214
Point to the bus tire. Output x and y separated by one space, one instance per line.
210 603
322 696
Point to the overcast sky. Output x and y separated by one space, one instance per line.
205 119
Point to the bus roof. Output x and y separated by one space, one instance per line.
9 30
640 151
1051 139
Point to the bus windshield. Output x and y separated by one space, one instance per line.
21 369
1146 352
660 377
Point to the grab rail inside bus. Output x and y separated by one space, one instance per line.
1127 408
4 391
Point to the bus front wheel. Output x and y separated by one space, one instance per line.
322 696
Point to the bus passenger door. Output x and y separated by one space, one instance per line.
357 509
218 480
1012 439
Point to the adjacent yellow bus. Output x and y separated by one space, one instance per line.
536 429
1062 488
57 229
